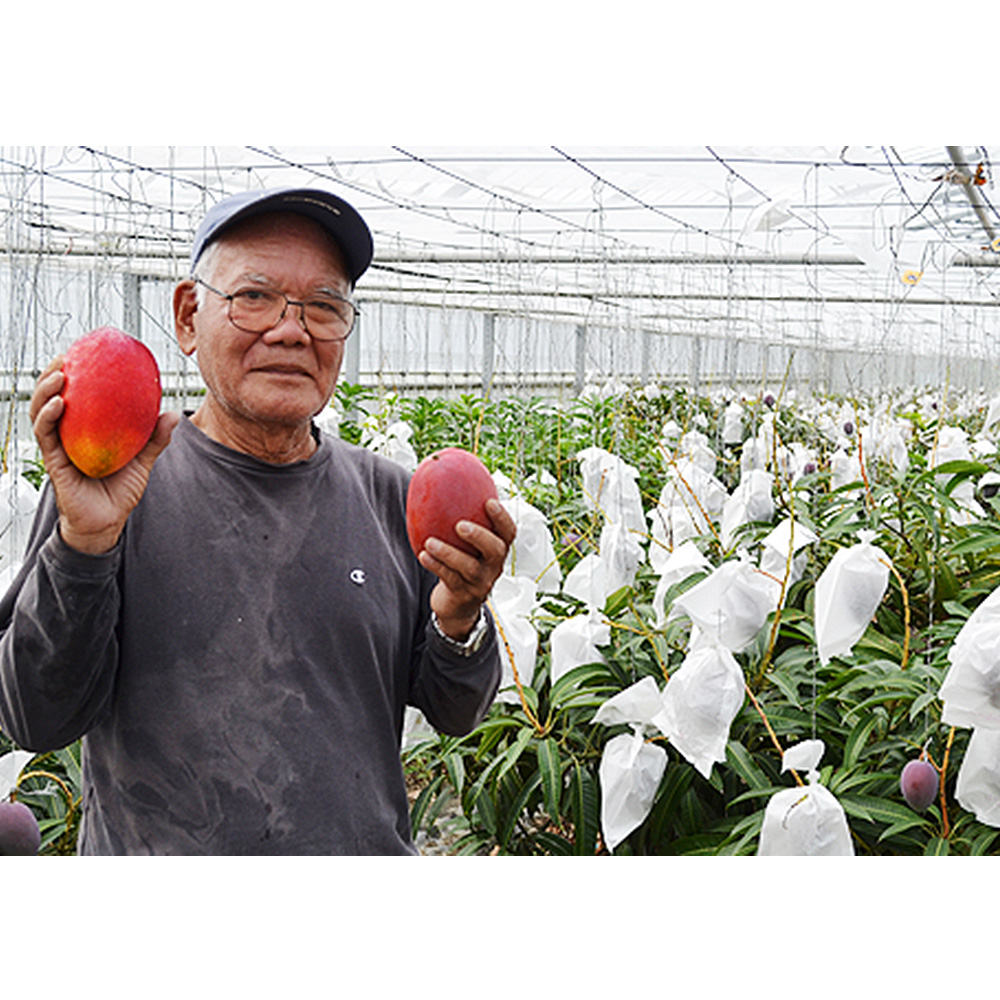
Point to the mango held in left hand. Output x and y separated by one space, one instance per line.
111 401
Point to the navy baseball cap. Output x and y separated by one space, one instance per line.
335 215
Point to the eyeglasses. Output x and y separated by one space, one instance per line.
324 316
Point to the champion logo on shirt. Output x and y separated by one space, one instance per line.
358 576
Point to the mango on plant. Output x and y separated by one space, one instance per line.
19 832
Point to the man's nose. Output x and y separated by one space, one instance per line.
292 326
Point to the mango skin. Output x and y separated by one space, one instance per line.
111 401
919 784
19 831
449 486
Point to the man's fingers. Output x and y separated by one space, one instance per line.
503 523
49 384
159 439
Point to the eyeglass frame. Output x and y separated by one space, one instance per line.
229 297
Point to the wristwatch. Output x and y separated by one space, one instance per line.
474 641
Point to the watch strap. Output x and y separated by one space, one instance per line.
472 643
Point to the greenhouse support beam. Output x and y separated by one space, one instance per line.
489 351
405 296
132 304
581 359
352 351
388 261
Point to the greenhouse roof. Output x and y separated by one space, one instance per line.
638 235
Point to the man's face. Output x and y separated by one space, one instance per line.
283 377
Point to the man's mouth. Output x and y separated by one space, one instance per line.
283 370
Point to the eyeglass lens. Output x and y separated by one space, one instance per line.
259 310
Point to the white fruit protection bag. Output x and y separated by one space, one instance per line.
774 563
629 775
971 688
700 701
11 766
532 553
970 694
393 444
684 561
609 486
848 594
631 767
693 446
751 501
732 426
690 497
587 581
978 786
731 604
574 642
621 555
805 821
512 601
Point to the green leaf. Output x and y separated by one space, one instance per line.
478 790
553 844
982 842
937 847
921 702
579 677
958 467
517 807
514 751
904 824
617 602
957 609
471 843
455 766
584 809
486 812
858 738
423 800
959 470
980 539
876 810
873 639
787 686
738 758
550 767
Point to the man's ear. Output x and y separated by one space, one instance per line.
185 306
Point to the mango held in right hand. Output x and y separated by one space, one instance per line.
111 401
449 486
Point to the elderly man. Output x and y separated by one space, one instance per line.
234 622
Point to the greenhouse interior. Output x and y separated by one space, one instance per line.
743 404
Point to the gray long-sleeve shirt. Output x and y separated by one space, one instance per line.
240 663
